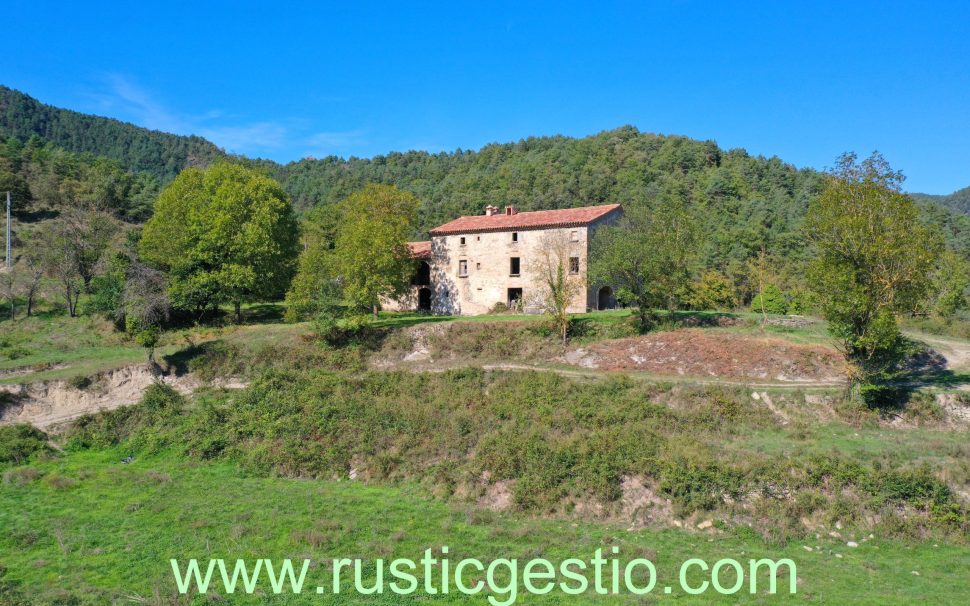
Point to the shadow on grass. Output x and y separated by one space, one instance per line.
928 367
405 319
179 362
264 313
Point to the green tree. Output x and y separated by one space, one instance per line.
69 250
713 290
874 261
770 301
313 285
226 234
648 255
949 285
371 256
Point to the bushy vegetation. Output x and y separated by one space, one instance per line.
20 442
557 442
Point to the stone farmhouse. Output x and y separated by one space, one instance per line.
472 263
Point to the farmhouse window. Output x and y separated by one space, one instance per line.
462 268
514 266
462 240
574 265
515 236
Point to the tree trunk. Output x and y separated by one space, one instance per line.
238 312
71 301
30 303
374 309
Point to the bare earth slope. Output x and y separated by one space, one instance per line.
706 354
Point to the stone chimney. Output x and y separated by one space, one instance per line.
510 210
491 210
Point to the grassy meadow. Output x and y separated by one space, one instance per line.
92 530
322 456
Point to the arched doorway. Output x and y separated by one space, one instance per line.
605 299
424 299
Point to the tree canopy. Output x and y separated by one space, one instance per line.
224 234
874 259
648 256
371 256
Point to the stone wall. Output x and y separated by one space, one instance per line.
488 276
487 257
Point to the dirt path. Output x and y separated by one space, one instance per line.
600 374
956 352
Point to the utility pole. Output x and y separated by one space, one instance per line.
9 258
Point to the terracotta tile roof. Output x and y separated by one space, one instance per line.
566 217
420 250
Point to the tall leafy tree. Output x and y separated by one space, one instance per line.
874 260
314 286
648 255
371 256
226 234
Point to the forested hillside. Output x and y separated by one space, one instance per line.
137 149
744 203
958 200
44 179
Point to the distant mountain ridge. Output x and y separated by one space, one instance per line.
135 148
958 200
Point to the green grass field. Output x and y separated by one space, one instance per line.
264 472
95 529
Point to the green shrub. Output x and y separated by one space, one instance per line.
713 290
217 359
772 300
698 486
339 331
922 407
554 440
20 442
143 427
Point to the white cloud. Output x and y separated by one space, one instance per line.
125 98
335 142
137 102
247 137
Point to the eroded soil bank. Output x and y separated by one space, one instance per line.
50 404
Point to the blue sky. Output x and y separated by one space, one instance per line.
801 80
